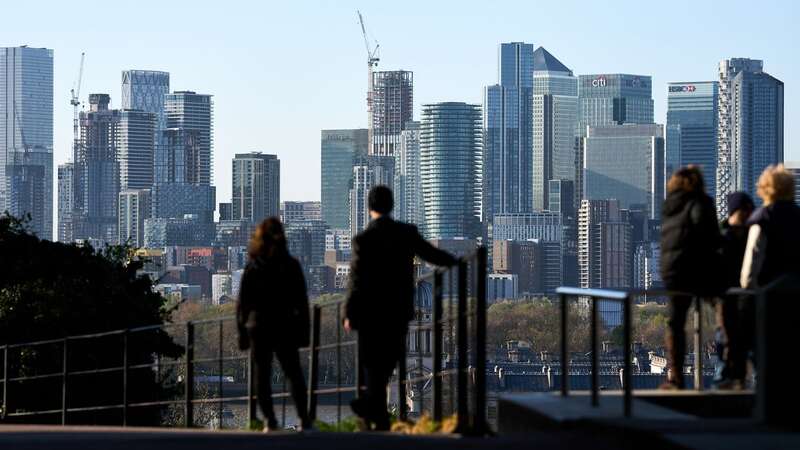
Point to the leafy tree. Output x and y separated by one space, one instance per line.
50 290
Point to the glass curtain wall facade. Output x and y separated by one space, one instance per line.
136 134
339 149
255 186
507 124
145 90
450 169
691 136
407 185
555 115
626 163
188 153
26 135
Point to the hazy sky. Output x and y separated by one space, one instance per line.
281 72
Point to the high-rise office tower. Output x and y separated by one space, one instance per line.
339 149
613 99
407 183
183 164
134 209
561 200
26 136
543 227
135 149
604 246
146 90
390 107
750 133
691 136
65 194
187 155
625 162
451 154
370 171
96 180
256 186
508 125
555 116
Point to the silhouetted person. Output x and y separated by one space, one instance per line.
273 318
690 262
381 299
734 314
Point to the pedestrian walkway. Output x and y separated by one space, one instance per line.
37 437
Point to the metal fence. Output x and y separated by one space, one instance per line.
627 299
196 377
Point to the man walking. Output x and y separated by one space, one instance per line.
381 299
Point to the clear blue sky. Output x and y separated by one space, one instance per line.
282 71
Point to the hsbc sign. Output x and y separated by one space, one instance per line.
683 88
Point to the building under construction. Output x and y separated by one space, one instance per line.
391 107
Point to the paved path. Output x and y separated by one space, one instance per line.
103 438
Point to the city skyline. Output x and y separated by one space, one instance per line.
293 122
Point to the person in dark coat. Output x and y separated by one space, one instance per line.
273 316
381 299
690 261
734 314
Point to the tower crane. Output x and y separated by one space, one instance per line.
372 60
75 94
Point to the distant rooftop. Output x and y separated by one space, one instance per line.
545 61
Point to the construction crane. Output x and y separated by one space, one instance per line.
75 94
372 61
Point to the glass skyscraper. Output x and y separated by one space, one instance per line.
26 136
614 99
135 149
65 196
750 128
450 169
256 184
626 163
339 149
555 115
508 125
692 128
407 186
187 154
146 90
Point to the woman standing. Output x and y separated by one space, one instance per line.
273 318
690 262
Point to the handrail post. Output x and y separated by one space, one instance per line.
436 349
627 354
5 381
564 351
313 375
189 381
595 376
401 385
125 378
461 342
479 416
252 415
698 343
221 368
64 375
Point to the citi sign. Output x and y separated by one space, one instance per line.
599 82
685 88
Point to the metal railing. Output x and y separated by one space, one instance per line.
465 339
469 310
626 298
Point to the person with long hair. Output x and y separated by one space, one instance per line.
273 317
690 260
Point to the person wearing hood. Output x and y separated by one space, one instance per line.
690 259
273 317
734 314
